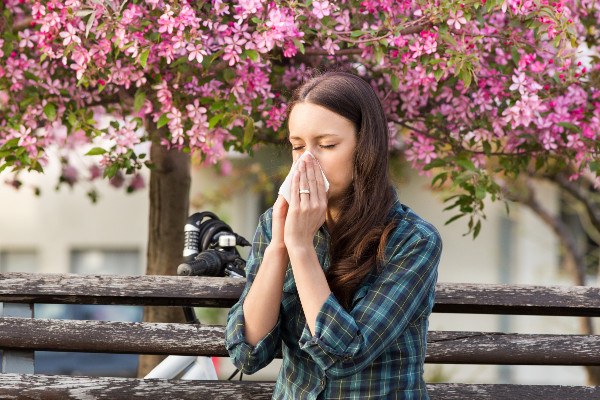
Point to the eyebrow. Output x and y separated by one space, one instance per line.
316 137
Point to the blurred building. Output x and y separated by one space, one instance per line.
63 231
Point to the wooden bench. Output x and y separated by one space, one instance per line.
21 334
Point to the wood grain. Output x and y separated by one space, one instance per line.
41 387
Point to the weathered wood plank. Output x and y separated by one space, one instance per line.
455 347
43 387
17 361
158 338
517 299
458 391
119 289
224 292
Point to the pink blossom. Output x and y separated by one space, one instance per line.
70 36
519 83
136 183
321 8
417 49
176 127
226 167
95 172
69 175
27 39
275 117
330 46
421 150
196 52
233 49
166 21
549 141
457 19
79 69
124 138
196 112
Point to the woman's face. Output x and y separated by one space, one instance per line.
329 137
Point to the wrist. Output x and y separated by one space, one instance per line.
277 249
299 250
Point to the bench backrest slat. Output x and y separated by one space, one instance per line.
224 292
181 339
78 387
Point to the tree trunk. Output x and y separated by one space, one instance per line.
169 203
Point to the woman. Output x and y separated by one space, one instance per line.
341 281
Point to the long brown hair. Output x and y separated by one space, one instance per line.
359 236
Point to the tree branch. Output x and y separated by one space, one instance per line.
342 52
556 224
575 189
560 229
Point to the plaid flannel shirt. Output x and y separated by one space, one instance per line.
374 350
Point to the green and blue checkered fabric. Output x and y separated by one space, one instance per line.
374 350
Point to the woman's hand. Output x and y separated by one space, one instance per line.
307 212
280 210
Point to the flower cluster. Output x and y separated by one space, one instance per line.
483 81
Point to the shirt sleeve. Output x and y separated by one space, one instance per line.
244 356
345 342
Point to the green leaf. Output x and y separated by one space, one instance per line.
162 121
438 73
252 54
89 24
476 229
439 177
228 74
480 192
138 100
299 45
83 13
378 54
72 119
515 55
30 76
111 170
96 151
454 218
435 163
395 82
570 126
248 131
50 111
465 163
466 77
10 143
215 120
144 57
357 33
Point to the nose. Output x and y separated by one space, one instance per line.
313 151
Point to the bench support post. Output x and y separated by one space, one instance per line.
15 361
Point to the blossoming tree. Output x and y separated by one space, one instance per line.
478 92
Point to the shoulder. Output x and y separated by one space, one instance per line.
411 228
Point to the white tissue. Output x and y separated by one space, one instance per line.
286 186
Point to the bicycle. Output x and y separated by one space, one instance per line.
209 250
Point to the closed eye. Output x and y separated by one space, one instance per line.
324 147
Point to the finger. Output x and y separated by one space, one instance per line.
294 195
315 194
304 197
